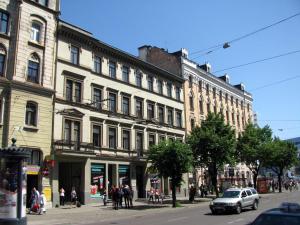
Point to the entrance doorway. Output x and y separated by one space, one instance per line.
32 181
70 176
140 183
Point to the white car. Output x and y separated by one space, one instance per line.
235 199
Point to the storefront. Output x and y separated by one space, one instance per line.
98 180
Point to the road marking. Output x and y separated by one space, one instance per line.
176 219
235 221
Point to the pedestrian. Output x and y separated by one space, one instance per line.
151 195
192 193
114 197
126 192
156 195
73 197
120 196
131 195
42 203
34 206
104 197
202 191
62 196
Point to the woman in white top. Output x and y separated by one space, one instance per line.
62 197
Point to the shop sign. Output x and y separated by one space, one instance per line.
32 170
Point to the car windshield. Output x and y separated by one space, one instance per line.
277 220
231 194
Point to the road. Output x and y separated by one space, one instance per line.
198 214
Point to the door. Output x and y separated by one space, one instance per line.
32 181
140 181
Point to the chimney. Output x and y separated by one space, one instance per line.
143 52
206 67
184 53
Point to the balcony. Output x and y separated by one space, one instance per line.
64 147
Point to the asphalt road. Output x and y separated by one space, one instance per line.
200 214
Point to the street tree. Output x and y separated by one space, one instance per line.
213 146
171 159
281 155
251 147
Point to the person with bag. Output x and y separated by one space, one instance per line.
73 197
34 206
42 203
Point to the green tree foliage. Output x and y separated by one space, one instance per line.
281 155
251 147
213 145
171 159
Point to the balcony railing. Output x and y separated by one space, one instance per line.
65 146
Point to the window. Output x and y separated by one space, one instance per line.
42 2
126 139
125 105
237 103
35 157
161 114
112 69
238 120
76 131
169 90
139 108
191 99
3 22
220 95
77 91
178 119
178 93
151 140
231 100
192 123
33 69
160 87
139 143
138 79
162 138
35 32
227 116
112 102
200 85
150 111
125 74
207 89
208 107
69 90
97 98
2 60
150 83
74 55
96 135
67 130
226 98
170 117
112 138
248 107
31 114
201 106
232 118
214 92
97 64
190 81
215 109
242 104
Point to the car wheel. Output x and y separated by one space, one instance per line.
238 209
255 205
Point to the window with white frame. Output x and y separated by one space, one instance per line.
33 69
112 137
125 105
97 135
126 139
72 132
150 83
74 55
97 64
31 114
35 34
112 69
97 98
169 90
125 74
138 79
112 102
73 91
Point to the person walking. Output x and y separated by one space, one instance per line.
131 194
126 192
42 202
61 197
114 197
151 195
120 196
34 206
73 197
104 197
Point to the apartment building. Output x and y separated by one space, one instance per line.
27 53
110 106
204 93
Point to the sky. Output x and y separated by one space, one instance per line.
200 24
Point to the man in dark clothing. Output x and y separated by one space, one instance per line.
126 192
114 197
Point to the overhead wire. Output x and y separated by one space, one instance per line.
225 45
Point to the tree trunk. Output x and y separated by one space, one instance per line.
173 193
279 180
214 180
255 174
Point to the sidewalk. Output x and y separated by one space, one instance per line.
68 215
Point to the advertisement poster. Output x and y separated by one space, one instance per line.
97 180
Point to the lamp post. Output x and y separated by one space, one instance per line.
13 185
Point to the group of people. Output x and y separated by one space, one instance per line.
73 196
118 194
291 185
37 202
154 195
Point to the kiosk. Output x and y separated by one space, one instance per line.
13 185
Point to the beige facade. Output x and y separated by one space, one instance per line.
27 52
110 107
204 93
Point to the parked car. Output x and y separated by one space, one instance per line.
235 199
286 214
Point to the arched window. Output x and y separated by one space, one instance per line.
33 68
2 60
35 31
31 114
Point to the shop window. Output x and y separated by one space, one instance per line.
97 180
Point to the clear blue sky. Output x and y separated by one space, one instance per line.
199 24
